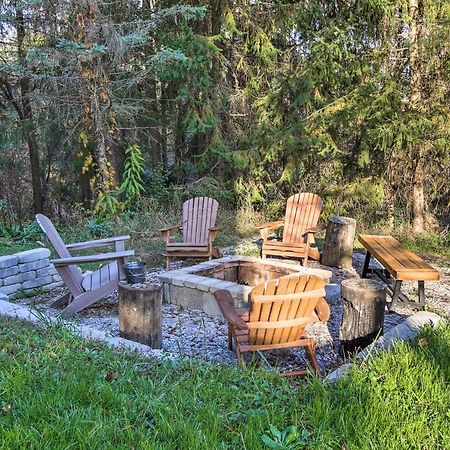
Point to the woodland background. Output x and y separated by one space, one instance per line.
112 113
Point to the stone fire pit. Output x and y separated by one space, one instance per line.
194 286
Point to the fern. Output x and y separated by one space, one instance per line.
132 185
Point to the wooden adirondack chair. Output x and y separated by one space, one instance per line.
279 312
85 289
300 224
199 231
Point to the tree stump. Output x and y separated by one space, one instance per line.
364 303
140 313
338 246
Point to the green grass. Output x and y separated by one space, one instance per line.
57 392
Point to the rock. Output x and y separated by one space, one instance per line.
37 282
405 331
11 289
34 265
20 278
338 373
9 271
49 270
7 261
33 255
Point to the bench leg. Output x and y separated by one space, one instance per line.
422 294
395 294
366 265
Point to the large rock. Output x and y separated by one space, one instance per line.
33 255
8 261
405 331
9 271
34 265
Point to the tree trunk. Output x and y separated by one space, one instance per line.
364 303
338 246
418 191
27 117
140 313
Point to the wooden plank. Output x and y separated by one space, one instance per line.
271 288
294 307
255 311
283 284
285 307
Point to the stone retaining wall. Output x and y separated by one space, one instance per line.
24 273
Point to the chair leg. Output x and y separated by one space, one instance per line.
305 261
167 262
62 301
311 353
230 337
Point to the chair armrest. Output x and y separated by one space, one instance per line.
97 243
91 258
316 229
226 305
270 225
169 229
218 228
322 310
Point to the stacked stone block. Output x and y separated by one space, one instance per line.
26 272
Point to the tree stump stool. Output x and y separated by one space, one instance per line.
140 313
338 246
364 303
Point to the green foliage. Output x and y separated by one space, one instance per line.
108 204
132 185
288 439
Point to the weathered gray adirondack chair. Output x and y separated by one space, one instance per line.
199 231
87 288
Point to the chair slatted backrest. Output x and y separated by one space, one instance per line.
281 308
71 274
302 211
199 215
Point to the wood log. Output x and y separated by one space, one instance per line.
140 313
364 303
338 246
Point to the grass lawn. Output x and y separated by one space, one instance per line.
57 391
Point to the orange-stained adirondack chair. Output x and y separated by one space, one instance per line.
279 312
199 231
300 224
85 289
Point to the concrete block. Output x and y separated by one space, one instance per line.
49 270
193 280
189 298
11 289
222 285
19 278
210 305
208 283
8 261
9 271
332 293
34 265
33 255
37 282
179 280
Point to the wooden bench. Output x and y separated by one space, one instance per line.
400 264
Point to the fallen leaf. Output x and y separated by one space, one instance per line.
110 376
423 342
7 408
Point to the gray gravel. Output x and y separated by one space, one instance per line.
193 333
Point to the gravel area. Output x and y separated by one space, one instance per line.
195 334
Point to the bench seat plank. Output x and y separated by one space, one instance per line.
401 263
